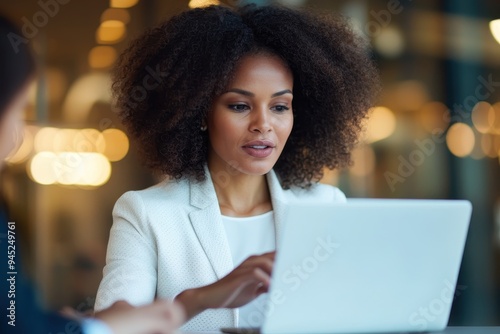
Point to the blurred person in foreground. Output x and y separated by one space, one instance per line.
19 310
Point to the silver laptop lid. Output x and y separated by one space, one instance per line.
367 266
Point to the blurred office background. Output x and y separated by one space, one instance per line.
434 133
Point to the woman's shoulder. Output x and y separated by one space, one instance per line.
164 192
318 193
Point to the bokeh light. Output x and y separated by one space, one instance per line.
202 3
74 156
70 168
63 140
41 168
25 149
488 145
117 144
483 117
110 32
495 29
123 3
381 124
496 121
44 139
101 57
89 140
389 42
118 14
460 139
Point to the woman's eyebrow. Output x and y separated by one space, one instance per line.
247 93
286 91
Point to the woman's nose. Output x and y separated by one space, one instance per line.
260 121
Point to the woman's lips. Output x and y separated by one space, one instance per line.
258 151
259 148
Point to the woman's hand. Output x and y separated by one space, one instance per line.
242 285
161 316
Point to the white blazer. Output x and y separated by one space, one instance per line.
170 237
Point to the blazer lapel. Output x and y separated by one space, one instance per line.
279 204
207 221
207 224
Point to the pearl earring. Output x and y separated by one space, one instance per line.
203 128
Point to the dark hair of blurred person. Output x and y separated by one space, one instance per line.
20 311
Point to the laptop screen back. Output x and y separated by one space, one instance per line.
367 266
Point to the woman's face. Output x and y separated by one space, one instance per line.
250 122
12 124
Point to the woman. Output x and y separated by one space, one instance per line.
208 97
19 311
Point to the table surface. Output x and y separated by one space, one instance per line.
448 330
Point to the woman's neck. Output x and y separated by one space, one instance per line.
241 195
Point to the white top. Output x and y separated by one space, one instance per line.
250 236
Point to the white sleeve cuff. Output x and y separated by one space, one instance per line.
95 326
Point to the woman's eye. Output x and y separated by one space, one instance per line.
280 108
238 107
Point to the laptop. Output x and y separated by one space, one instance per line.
366 266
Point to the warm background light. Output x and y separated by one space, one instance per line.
101 57
69 140
202 3
496 122
460 139
364 161
495 29
434 116
71 156
409 95
483 117
381 124
63 140
44 139
110 32
15 141
116 144
70 168
41 168
389 41
117 14
24 150
89 140
122 3
83 94
489 145
58 83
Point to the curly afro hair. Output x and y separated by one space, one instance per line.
167 79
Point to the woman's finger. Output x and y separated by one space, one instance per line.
265 262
